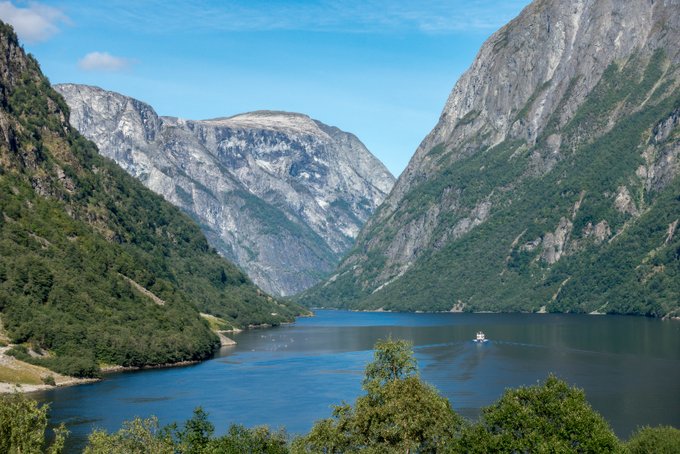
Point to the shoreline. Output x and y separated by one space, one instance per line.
32 376
539 312
107 370
65 380
11 388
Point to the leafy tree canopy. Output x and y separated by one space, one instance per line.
399 412
550 417
659 440
22 427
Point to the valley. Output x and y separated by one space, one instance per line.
260 282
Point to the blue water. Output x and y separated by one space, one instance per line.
290 376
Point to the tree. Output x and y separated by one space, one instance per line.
196 434
22 427
398 413
139 436
551 417
145 436
392 360
241 440
658 440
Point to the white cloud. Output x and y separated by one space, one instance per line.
103 61
34 23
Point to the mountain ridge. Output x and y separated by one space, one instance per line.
281 194
516 192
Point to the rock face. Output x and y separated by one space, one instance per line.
282 195
566 120
94 267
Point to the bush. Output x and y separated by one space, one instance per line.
551 417
20 352
240 439
136 436
22 427
82 366
195 437
658 440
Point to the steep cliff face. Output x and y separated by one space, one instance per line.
560 138
282 195
94 267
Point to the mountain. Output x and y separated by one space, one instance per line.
280 194
94 267
550 182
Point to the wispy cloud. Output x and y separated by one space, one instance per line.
35 22
373 16
103 61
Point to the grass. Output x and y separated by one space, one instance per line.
22 373
217 323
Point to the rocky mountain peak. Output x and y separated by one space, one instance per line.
524 71
281 194
269 119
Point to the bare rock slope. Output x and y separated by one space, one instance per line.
558 143
282 195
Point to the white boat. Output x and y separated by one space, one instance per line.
481 337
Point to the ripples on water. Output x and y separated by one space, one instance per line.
291 375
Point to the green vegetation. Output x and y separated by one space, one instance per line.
195 437
551 417
137 436
95 268
14 375
658 440
398 413
530 189
216 323
521 115
22 427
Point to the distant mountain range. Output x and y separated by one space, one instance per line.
550 182
94 267
280 194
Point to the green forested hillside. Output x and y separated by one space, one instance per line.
614 170
94 267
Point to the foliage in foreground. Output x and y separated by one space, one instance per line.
146 436
22 427
399 413
659 440
552 417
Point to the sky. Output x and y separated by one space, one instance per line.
381 69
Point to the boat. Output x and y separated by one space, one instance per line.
481 337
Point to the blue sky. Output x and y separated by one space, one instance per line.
381 69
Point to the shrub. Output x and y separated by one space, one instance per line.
658 440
